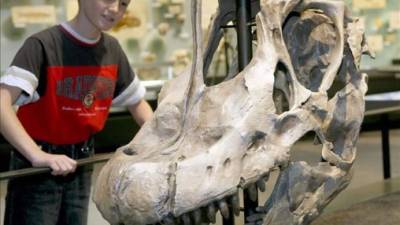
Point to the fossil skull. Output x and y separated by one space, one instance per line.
204 143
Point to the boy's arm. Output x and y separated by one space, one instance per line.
12 129
141 112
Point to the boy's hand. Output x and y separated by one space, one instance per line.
59 164
12 129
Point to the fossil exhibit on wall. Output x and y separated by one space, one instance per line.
207 142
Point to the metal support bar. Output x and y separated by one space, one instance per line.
245 53
235 26
385 145
243 32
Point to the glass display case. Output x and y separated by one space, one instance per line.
155 35
381 20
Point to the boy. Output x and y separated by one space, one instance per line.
64 79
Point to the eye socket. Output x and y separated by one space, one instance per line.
310 37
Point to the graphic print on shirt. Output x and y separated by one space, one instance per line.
86 88
76 96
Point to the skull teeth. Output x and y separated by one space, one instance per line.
224 209
211 211
185 219
261 185
168 221
197 217
235 203
227 206
252 192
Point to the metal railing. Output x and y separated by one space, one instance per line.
98 158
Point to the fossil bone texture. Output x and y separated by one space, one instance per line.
204 143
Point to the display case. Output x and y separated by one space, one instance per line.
381 20
155 35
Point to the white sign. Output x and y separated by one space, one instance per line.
369 4
375 43
394 20
39 14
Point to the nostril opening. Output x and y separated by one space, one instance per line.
209 169
129 151
227 162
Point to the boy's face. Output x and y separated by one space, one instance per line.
104 14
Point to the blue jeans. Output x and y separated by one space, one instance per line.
49 200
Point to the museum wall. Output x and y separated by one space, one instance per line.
156 34
381 19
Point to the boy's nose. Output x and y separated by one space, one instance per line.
114 6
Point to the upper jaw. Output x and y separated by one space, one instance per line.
156 189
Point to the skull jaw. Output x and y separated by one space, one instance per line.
147 192
302 191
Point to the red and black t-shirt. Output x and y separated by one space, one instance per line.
69 84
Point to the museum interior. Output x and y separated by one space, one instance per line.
362 186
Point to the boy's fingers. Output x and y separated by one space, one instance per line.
69 165
65 168
73 162
62 168
55 167
62 165
69 160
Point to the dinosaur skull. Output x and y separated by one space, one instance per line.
204 143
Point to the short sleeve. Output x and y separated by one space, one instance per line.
129 89
24 70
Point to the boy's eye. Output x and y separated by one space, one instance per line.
124 3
